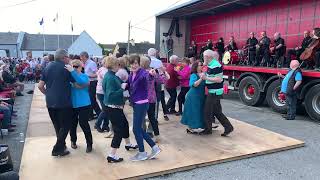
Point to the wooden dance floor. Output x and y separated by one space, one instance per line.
181 151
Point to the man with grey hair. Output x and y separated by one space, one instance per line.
90 69
172 84
214 83
55 85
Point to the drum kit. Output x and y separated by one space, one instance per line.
238 57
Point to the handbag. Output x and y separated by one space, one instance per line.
5 159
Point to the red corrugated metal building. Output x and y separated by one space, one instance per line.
210 19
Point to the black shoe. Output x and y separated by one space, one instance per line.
107 129
89 149
130 147
74 145
173 112
19 94
178 113
11 130
99 130
227 132
112 160
166 118
63 153
205 132
289 118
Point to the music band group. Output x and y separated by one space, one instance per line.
265 52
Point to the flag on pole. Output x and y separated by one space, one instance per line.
56 18
41 22
71 25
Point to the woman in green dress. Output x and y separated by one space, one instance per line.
193 109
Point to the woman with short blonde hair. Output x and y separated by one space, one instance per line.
113 88
81 104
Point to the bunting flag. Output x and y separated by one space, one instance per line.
56 18
41 22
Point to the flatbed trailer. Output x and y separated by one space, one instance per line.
257 84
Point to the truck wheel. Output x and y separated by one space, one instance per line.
249 92
275 99
312 102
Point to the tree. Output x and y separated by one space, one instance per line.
104 52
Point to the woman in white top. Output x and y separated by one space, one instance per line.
102 122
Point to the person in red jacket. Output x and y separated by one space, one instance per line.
172 84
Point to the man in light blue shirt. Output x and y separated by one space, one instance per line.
289 86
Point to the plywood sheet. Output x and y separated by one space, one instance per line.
181 151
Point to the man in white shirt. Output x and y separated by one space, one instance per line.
157 64
90 69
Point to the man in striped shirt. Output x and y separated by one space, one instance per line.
214 83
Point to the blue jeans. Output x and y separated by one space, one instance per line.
102 118
291 101
6 111
139 114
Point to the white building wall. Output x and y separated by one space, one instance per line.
178 43
36 54
85 43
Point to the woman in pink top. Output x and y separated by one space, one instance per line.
184 77
102 118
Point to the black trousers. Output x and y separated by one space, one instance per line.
163 102
152 118
120 126
81 116
93 99
263 57
61 119
171 104
279 59
182 97
252 57
213 107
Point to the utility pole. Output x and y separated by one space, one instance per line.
129 29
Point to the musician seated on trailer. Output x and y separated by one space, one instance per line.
192 51
279 50
263 53
232 46
299 50
251 45
209 45
220 47
316 36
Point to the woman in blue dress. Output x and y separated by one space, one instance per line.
193 110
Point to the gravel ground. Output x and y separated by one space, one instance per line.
301 163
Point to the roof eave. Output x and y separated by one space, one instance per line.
178 7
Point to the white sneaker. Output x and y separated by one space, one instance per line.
155 151
140 156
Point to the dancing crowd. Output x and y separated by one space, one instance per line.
140 80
